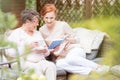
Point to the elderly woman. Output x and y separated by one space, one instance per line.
70 55
27 35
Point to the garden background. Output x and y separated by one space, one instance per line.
103 15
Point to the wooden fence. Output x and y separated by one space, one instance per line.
69 10
76 10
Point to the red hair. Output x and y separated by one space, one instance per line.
48 8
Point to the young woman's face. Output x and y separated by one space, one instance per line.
49 19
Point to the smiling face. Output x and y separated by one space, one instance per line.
30 19
49 13
49 19
33 23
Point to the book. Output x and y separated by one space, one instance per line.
55 43
41 45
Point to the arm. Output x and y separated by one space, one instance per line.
43 46
13 38
69 34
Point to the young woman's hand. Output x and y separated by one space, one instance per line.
71 40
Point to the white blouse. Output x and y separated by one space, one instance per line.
60 30
21 39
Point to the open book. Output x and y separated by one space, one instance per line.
55 43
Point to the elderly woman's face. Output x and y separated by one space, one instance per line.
35 21
49 19
33 24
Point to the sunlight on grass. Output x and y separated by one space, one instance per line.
110 53
110 25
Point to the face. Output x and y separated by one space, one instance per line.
33 24
49 19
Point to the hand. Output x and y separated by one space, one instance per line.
71 40
60 49
33 45
54 50
51 50
41 51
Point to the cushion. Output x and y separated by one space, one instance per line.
89 39
116 70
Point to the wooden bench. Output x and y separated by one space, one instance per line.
94 48
95 45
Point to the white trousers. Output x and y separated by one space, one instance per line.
42 67
76 62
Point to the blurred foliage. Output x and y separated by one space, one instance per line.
92 77
110 53
30 4
110 25
31 77
75 10
7 21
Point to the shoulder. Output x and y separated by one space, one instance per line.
64 25
37 33
43 27
14 34
61 22
15 31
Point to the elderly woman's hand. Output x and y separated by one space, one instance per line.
33 45
41 51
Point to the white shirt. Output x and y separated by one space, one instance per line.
21 38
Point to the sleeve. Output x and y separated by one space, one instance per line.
47 53
44 44
15 39
42 31
11 52
68 30
44 35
